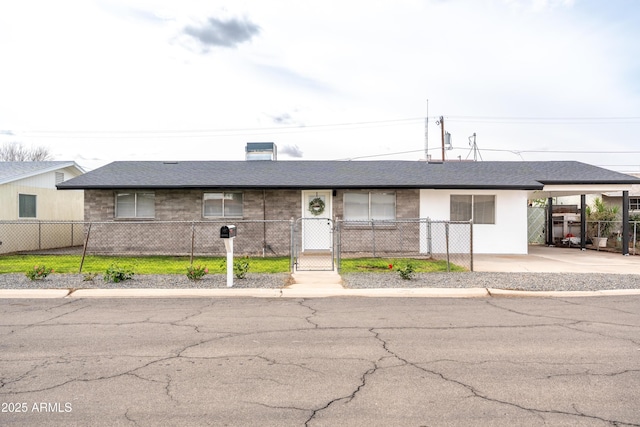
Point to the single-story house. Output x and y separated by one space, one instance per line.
28 194
494 195
615 198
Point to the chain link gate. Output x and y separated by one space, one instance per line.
313 244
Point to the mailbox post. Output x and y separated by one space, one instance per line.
228 234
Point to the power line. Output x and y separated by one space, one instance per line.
207 132
545 120
166 133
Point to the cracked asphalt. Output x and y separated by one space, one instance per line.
320 362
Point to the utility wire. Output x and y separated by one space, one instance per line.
333 126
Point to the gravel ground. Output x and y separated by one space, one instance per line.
150 281
512 281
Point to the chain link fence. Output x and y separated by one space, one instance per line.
413 238
25 236
420 238
189 238
607 235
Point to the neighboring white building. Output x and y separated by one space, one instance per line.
28 194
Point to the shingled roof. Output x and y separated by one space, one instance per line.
14 171
344 174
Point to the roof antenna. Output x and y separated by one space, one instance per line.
441 124
474 148
426 134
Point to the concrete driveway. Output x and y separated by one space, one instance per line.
543 259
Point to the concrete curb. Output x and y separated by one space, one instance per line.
560 294
175 293
33 293
306 293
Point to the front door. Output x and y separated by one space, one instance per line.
316 220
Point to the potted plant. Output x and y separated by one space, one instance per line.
602 221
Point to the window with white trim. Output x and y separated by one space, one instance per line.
135 204
479 208
226 204
27 205
634 203
369 206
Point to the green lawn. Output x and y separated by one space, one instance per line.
381 265
178 265
141 265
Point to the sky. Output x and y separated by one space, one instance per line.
97 81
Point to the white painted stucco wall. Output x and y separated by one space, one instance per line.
51 204
507 236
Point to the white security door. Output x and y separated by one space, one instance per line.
316 223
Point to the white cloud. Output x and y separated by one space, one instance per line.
122 65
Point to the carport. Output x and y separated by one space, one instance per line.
553 189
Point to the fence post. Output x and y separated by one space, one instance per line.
292 243
471 242
39 234
84 250
429 237
446 233
373 238
193 240
338 242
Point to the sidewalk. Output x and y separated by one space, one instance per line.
317 284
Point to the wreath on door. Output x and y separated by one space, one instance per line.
316 206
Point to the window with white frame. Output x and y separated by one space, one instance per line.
27 205
479 208
135 204
634 203
369 206
226 204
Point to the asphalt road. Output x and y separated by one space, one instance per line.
320 362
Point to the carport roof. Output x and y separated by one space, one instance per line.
344 174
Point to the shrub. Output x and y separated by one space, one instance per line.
116 273
406 272
602 218
197 272
241 268
39 272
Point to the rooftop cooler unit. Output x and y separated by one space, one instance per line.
261 151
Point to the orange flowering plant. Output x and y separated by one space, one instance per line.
39 272
197 272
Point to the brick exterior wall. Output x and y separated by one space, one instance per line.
277 207
386 239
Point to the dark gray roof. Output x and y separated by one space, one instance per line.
13 171
344 174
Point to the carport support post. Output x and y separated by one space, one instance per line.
625 223
583 222
550 221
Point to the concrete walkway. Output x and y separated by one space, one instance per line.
316 280
543 259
